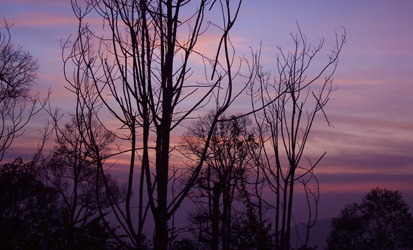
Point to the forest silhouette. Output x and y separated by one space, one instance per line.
133 91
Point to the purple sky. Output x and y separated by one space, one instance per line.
371 143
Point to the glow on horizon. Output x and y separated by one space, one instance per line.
371 110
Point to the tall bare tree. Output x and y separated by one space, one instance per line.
284 125
139 69
17 75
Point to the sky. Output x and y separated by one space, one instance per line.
371 141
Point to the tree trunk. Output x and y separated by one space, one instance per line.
215 216
161 212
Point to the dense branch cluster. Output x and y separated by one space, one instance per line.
17 70
132 78
17 105
137 70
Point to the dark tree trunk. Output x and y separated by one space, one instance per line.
215 216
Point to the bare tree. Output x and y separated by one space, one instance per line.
17 105
223 180
284 125
139 69
72 172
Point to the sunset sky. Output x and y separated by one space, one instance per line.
371 141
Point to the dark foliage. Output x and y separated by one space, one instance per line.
226 215
184 244
29 214
33 216
381 221
249 231
72 172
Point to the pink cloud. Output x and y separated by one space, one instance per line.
37 2
47 20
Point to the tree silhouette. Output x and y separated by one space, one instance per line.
17 106
35 214
381 221
29 211
224 181
284 125
139 69
72 171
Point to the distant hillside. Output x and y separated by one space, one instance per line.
318 234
